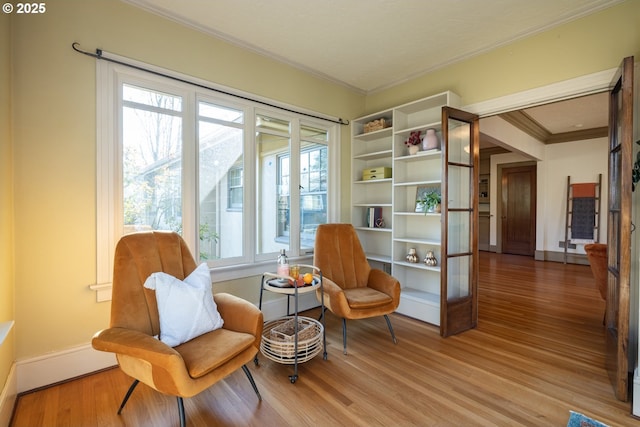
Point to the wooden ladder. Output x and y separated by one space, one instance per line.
568 217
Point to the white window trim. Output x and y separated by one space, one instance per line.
107 192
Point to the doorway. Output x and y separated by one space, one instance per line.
503 179
518 209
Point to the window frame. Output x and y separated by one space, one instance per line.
110 77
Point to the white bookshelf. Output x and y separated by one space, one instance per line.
404 227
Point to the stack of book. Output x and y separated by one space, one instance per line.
374 217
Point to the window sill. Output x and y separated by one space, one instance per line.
218 274
222 274
103 291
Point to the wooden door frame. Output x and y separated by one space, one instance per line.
617 316
459 314
498 198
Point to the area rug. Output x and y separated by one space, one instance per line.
579 420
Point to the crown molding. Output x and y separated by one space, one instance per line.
566 89
578 135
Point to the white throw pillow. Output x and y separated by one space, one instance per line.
186 308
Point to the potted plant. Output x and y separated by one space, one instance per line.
431 201
413 142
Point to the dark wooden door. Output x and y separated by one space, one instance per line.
459 267
519 210
619 227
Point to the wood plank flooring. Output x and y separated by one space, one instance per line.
538 352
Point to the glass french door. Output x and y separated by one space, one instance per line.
459 269
619 227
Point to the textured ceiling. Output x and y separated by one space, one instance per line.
372 44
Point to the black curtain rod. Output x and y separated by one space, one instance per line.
98 55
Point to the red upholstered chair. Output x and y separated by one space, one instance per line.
188 368
352 289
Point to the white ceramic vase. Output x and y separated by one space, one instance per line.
430 140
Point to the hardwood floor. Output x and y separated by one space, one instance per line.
538 352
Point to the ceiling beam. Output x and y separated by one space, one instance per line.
525 123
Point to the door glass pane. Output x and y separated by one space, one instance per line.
458 277
221 182
459 142
151 160
459 187
273 175
459 232
615 166
313 191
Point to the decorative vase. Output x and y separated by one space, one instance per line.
430 140
430 259
413 149
412 256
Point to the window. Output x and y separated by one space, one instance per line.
313 194
237 179
151 160
234 201
221 131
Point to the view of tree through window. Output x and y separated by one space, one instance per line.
151 160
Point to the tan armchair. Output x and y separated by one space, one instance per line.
191 367
352 289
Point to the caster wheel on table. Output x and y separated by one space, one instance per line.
293 378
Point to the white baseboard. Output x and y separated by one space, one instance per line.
8 397
63 365
59 366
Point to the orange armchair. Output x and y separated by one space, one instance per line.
352 289
597 255
188 368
